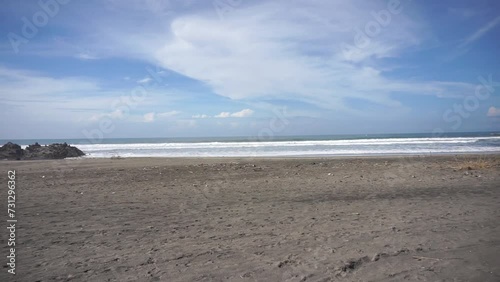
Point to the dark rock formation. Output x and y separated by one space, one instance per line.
12 151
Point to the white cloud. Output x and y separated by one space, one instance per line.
149 117
145 80
223 115
200 116
86 56
493 112
260 53
240 114
168 114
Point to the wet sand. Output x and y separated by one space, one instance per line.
347 219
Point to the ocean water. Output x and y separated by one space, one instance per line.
283 146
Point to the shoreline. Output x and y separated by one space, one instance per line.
308 157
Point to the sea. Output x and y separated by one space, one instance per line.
285 146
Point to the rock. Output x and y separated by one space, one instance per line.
53 151
11 151
33 147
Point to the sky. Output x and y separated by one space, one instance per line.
193 68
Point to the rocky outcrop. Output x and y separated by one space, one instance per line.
12 151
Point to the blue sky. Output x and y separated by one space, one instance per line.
106 69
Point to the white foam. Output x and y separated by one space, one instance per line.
294 148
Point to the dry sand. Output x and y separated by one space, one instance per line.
347 219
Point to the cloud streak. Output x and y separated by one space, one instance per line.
480 32
240 114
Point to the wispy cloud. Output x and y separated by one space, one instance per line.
145 80
151 117
223 115
168 114
240 114
116 114
22 85
467 43
81 99
200 116
480 32
86 56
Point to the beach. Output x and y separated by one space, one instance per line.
417 218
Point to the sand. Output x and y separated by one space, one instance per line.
346 219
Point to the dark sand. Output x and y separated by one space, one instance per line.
347 219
